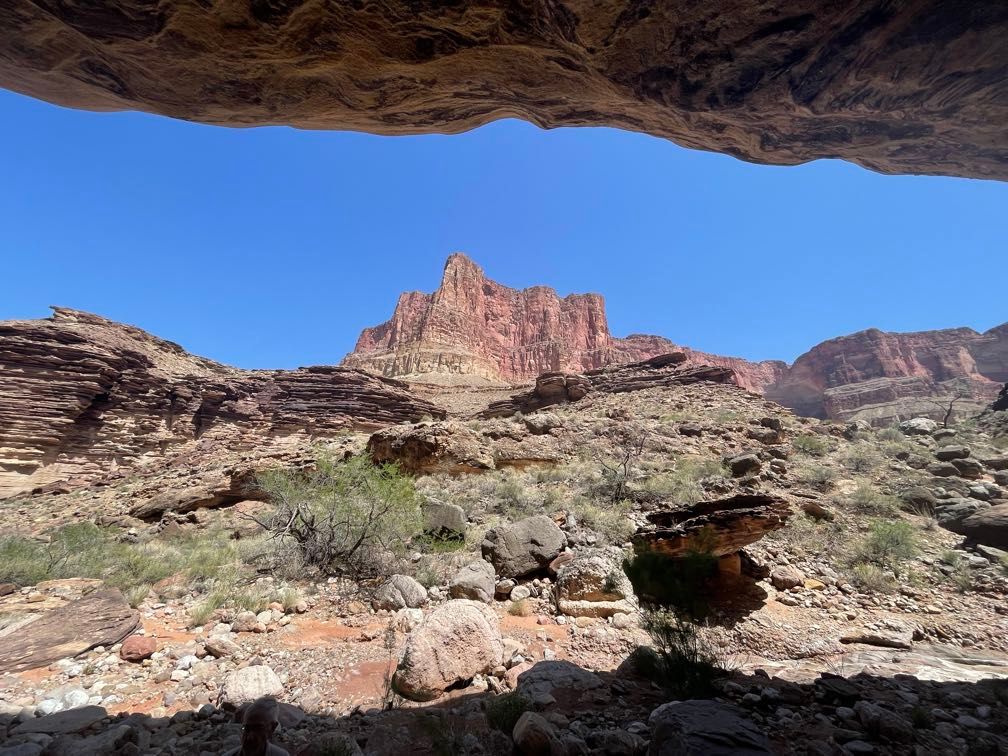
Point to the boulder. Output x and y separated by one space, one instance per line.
556 678
136 648
444 520
249 683
593 584
442 447
705 728
534 736
996 463
475 581
988 526
970 469
744 464
918 426
523 547
943 470
101 618
951 513
919 499
786 577
456 642
399 592
948 453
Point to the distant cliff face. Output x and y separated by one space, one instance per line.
81 395
474 329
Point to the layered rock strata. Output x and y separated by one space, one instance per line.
896 87
81 396
475 330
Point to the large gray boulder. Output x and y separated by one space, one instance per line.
918 426
456 642
249 683
444 520
988 527
474 581
523 547
593 584
705 728
399 592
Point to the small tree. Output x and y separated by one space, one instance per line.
342 517
947 405
628 446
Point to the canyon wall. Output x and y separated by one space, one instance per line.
899 87
81 396
475 330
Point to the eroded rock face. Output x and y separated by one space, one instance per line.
719 527
900 88
81 396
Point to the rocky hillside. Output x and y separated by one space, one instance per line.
82 397
475 330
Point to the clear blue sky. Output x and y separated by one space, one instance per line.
274 247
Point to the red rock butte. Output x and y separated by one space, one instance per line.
473 330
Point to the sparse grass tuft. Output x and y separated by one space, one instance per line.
891 433
503 711
812 445
861 459
889 544
521 608
871 578
867 500
817 477
681 660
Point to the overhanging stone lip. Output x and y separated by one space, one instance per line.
774 82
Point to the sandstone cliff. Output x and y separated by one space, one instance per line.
898 87
472 329
81 396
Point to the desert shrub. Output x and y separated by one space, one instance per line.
866 499
818 477
514 498
682 483
612 523
520 608
618 469
680 658
341 517
871 578
503 711
888 544
811 444
861 459
891 433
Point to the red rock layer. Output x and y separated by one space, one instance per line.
474 329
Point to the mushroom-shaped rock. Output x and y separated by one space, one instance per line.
444 447
593 584
475 581
399 592
521 548
705 728
717 527
456 642
988 527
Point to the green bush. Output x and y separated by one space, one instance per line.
682 483
817 477
503 711
861 459
342 517
871 578
680 659
866 499
889 544
811 444
892 433
613 523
